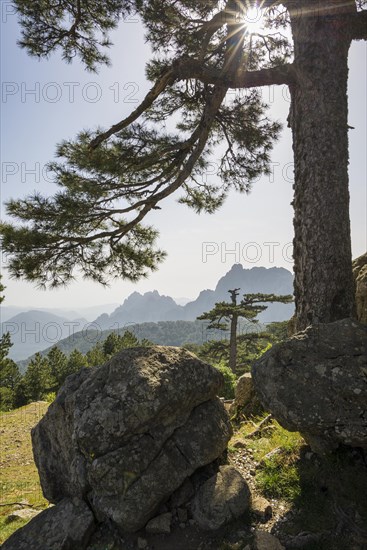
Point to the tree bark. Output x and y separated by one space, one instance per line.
233 344
324 287
358 25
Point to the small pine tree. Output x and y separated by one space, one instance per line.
112 344
96 356
58 364
225 315
116 342
21 393
76 361
9 371
6 399
129 340
37 379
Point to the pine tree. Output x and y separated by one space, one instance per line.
37 378
58 364
225 315
9 375
21 394
96 356
76 361
110 180
112 344
9 371
5 342
117 342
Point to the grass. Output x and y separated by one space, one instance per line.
19 479
311 487
277 481
323 493
277 451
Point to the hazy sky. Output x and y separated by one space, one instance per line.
45 102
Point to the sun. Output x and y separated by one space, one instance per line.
253 20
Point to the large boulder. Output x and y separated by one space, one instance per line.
67 526
221 499
316 383
360 277
126 435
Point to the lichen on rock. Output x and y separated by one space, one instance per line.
124 436
315 383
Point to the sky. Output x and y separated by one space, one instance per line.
44 102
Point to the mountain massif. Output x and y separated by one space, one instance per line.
38 330
152 307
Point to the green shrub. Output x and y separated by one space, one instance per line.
50 397
279 479
6 399
230 380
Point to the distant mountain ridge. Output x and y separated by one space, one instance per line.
137 308
37 330
89 312
153 307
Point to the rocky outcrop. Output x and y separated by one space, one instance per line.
360 277
126 435
261 508
160 524
266 541
67 526
246 401
221 499
315 383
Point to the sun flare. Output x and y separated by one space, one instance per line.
253 20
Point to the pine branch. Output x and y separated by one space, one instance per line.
54 253
194 69
187 69
44 28
128 169
215 23
167 79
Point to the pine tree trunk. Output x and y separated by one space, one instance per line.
233 344
324 287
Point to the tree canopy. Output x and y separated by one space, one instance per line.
110 179
225 316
